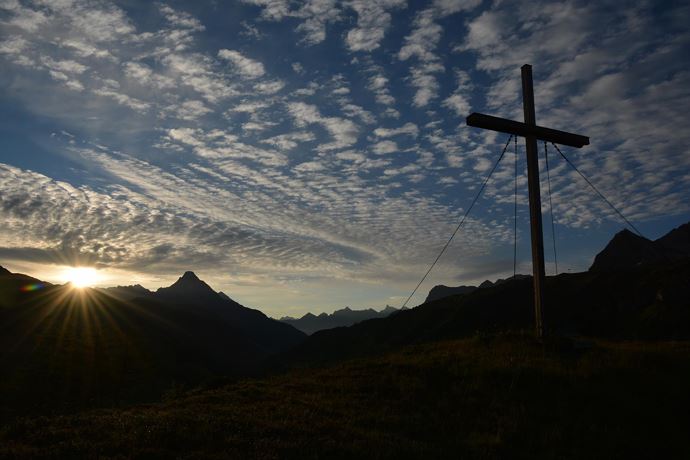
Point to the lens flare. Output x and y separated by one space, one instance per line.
81 277
32 287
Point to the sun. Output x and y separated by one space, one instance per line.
81 277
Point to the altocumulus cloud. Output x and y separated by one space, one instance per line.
241 152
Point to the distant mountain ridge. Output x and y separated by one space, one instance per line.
126 292
441 291
344 317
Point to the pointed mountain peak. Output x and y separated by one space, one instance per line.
134 287
626 234
625 250
187 288
189 279
190 276
4 271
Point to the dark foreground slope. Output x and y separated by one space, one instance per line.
644 302
482 397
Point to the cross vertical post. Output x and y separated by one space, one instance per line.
531 132
537 235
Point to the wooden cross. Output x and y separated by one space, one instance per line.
531 132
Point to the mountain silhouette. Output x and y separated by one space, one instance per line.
441 291
187 288
627 250
676 242
310 323
261 335
126 293
388 310
643 299
642 303
15 286
61 345
266 335
85 347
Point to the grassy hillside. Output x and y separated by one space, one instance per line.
481 397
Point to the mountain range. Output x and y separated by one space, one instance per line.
647 302
311 323
60 345
636 289
70 348
625 251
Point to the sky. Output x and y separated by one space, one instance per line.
306 156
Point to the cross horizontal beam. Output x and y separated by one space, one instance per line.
479 120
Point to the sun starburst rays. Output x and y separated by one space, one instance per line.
81 277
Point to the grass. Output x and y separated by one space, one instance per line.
483 397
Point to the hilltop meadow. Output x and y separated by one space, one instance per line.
488 396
